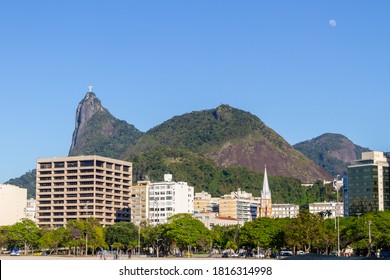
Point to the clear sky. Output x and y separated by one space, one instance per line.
303 67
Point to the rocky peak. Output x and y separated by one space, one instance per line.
86 109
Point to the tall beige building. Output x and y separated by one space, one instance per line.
140 202
239 205
13 202
81 187
202 202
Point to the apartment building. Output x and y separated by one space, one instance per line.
202 202
140 202
30 211
80 187
327 209
239 205
168 198
285 210
13 202
368 187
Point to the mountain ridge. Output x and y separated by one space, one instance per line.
230 137
332 151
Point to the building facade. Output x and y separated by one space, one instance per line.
285 210
13 202
30 211
140 202
211 219
239 205
327 209
81 187
202 202
368 184
168 198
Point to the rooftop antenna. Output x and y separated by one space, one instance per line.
90 88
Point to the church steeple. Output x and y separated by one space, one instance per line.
265 193
265 208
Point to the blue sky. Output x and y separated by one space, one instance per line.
151 60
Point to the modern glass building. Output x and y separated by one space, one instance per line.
368 184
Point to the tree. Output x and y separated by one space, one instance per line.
221 235
24 233
185 232
261 233
53 239
125 233
305 231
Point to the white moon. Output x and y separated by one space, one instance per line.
332 22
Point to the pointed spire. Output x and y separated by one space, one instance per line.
265 193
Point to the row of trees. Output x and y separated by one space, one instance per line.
308 232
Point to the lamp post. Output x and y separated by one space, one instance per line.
337 184
369 235
86 227
139 239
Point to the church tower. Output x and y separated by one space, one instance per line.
265 208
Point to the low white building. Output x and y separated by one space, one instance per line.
168 198
327 209
13 202
30 209
211 219
285 210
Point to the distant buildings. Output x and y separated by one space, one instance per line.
13 202
368 187
80 187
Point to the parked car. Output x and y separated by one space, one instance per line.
15 252
259 255
234 255
384 255
225 255
274 256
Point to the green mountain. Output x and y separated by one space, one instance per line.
333 152
230 137
98 132
26 181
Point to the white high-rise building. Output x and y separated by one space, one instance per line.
168 198
13 202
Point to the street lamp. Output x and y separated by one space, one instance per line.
369 234
86 231
337 184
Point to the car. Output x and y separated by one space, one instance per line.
274 256
259 255
15 253
225 255
234 255
384 255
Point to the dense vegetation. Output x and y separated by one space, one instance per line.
203 131
26 181
183 233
